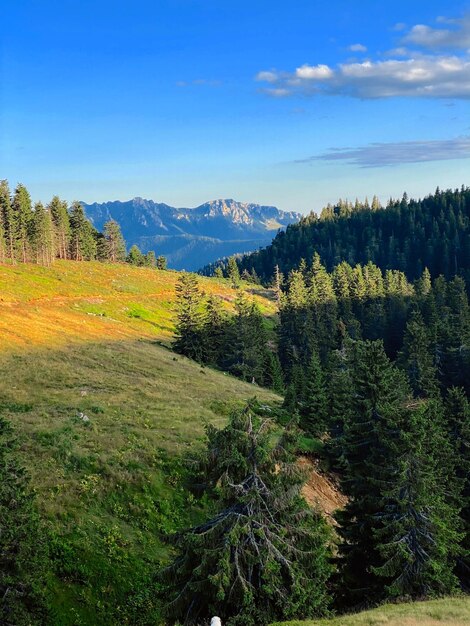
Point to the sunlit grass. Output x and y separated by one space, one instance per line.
446 611
105 413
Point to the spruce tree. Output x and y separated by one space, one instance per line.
150 259
457 410
264 555
418 536
189 337
314 413
42 235
135 256
115 245
61 220
161 262
416 358
278 280
214 331
246 341
83 245
23 216
368 443
233 273
9 221
272 376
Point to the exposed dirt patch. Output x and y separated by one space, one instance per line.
321 490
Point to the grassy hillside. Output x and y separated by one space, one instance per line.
104 412
72 302
448 612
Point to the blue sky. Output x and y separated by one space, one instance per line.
287 103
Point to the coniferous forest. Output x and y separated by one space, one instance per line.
407 235
371 350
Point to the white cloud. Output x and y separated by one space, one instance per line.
357 47
424 76
267 77
425 73
276 92
312 72
386 154
438 38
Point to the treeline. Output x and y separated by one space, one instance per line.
41 234
319 309
237 343
407 235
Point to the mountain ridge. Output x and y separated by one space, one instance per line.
193 237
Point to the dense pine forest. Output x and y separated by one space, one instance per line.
407 235
373 359
377 368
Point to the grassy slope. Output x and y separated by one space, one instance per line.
82 339
448 611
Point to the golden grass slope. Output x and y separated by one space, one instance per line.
79 338
70 302
443 612
103 411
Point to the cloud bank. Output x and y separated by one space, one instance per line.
386 154
429 62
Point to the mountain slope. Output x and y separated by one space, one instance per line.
104 413
191 238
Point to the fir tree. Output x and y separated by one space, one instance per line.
9 224
115 245
368 444
457 410
416 358
218 272
161 262
135 256
23 216
4 202
246 341
418 537
150 259
42 235
82 238
61 220
314 413
264 554
272 377
233 273
189 338
214 331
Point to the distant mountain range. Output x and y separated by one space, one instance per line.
192 238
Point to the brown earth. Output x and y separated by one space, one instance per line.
321 490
